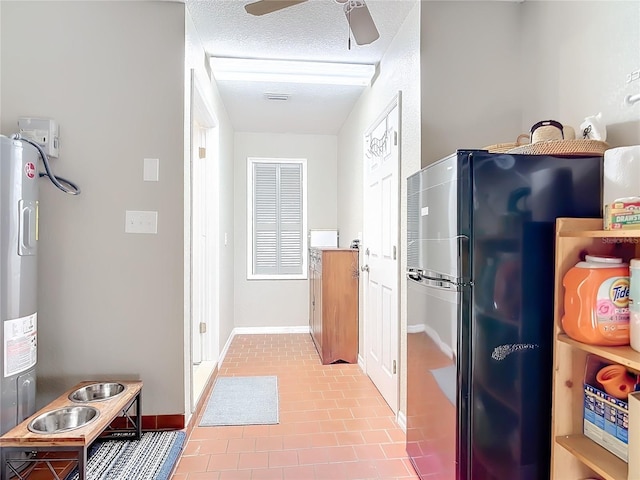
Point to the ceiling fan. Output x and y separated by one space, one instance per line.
358 16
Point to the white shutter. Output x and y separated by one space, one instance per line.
278 218
265 223
291 217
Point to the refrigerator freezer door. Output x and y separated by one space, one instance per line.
432 383
438 229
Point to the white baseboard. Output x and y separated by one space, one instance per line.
415 328
401 418
267 330
257 331
361 363
225 349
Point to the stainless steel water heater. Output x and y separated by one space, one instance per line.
18 280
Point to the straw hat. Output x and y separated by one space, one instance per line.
563 148
522 139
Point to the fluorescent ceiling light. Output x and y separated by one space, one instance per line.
291 71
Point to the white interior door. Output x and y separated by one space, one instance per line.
380 252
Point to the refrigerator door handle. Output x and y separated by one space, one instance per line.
414 274
438 277
440 282
433 282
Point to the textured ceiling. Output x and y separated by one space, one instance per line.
315 30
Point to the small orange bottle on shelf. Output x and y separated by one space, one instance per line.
596 301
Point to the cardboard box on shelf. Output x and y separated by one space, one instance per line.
606 418
623 214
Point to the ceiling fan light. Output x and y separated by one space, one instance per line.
360 22
291 71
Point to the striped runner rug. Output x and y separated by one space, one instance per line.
150 458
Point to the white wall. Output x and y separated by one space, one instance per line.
284 303
576 57
399 71
112 74
471 80
226 221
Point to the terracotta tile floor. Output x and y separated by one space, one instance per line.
334 424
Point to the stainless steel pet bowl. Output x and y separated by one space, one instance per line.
96 392
63 419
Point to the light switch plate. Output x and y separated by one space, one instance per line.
141 221
151 170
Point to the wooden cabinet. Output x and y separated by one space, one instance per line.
573 455
333 303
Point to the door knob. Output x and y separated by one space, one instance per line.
364 268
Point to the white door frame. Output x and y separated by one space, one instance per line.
204 129
396 101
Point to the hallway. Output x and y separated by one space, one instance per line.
334 425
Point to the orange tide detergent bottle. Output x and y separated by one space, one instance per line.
596 301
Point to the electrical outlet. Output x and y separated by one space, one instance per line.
43 131
141 222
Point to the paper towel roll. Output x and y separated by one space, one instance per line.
621 173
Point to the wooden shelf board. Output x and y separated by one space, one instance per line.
598 459
623 355
590 228
601 234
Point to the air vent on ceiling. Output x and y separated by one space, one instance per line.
277 96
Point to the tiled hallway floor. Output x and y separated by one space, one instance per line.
334 425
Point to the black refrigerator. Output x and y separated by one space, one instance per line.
480 276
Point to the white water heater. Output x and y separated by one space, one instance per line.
18 280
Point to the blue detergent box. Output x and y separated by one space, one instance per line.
606 418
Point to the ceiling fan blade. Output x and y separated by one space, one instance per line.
262 7
361 23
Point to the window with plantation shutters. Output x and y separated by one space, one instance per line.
277 218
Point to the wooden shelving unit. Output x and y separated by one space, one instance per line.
573 455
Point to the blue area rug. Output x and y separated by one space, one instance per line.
242 401
150 458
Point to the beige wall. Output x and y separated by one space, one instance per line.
490 70
471 80
399 71
575 60
112 74
284 303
